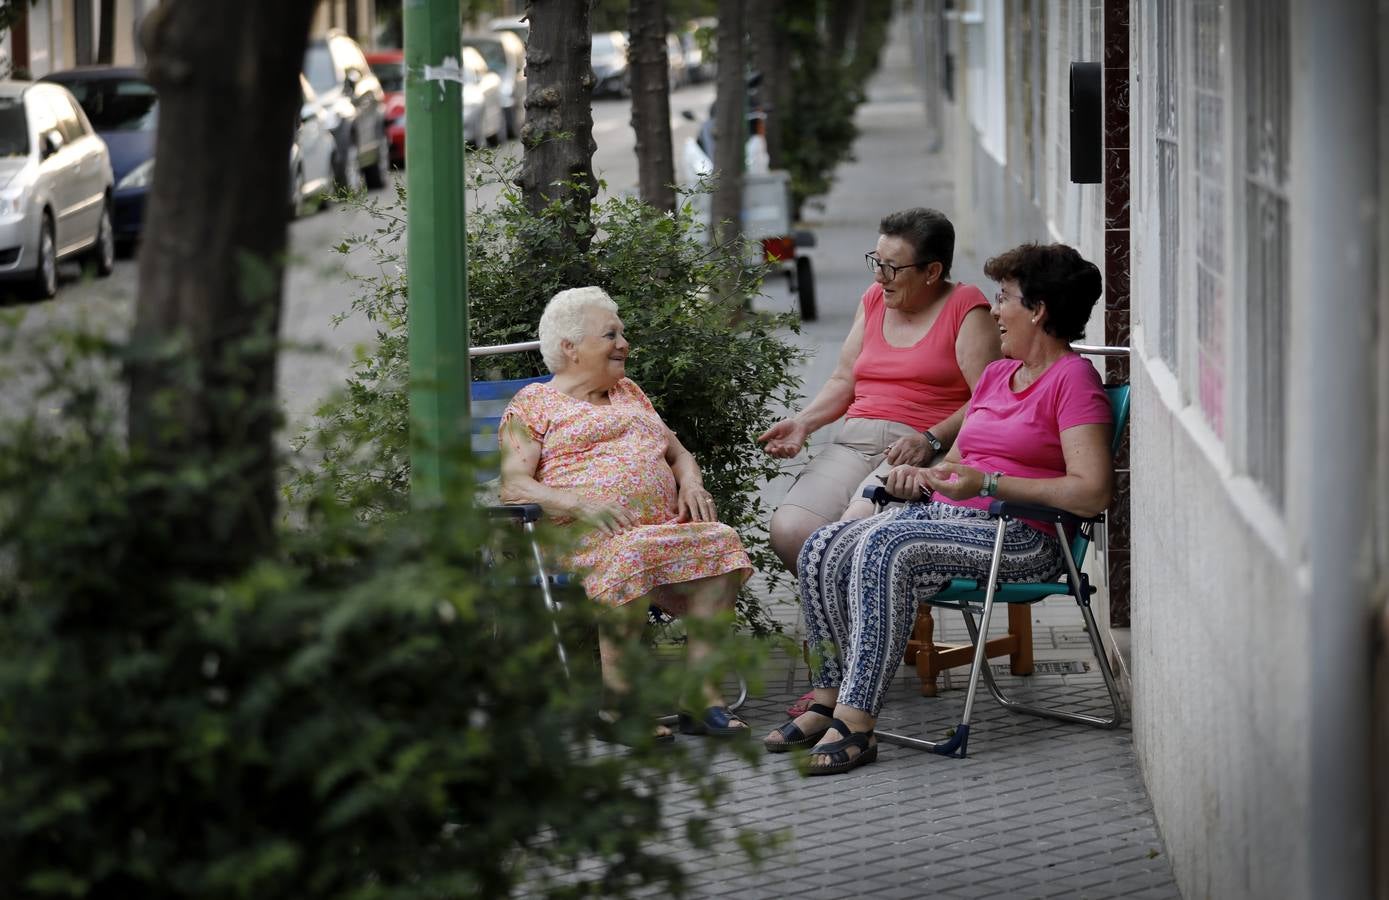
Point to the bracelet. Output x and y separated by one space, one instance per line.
990 486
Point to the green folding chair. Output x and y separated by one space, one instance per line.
975 600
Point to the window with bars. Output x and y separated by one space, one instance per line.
1167 86
1208 159
1267 100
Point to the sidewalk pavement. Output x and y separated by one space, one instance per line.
1039 808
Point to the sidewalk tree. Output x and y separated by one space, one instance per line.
202 369
730 122
768 52
558 135
650 70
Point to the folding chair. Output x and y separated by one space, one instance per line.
973 599
488 400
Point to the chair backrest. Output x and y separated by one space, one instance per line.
1118 395
488 401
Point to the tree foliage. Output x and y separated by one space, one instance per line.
369 711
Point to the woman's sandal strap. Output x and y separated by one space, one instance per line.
838 751
821 709
791 732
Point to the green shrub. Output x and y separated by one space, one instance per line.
368 713
717 379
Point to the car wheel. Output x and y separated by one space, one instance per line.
348 171
376 174
805 288
103 255
45 280
296 194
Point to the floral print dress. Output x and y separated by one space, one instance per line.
617 454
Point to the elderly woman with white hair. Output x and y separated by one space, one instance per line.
588 447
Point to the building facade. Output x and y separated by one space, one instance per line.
1243 234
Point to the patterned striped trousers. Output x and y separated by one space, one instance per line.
860 582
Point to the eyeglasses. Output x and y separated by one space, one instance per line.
889 271
998 299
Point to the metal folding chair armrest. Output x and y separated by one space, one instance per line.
525 512
1037 512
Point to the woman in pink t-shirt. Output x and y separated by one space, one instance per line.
1037 430
917 346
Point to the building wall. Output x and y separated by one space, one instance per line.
1251 642
1220 685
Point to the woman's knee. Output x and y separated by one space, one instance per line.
790 527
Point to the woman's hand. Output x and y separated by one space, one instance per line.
956 481
909 450
905 482
784 439
695 504
609 518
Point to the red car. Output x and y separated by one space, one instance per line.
389 66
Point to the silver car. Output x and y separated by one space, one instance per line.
482 101
505 54
55 187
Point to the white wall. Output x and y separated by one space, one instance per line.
1219 665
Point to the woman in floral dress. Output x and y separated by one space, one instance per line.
588 448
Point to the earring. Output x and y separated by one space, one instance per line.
1034 321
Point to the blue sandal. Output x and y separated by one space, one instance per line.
838 751
792 738
716 720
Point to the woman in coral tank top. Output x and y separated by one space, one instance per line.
906 371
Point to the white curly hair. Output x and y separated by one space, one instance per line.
563 320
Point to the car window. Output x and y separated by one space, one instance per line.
319 69
128 104
391 75
14 128
69 123
493 53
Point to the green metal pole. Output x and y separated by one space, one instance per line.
435 248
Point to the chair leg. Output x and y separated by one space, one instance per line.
550 605
958 743
1020 626
927 670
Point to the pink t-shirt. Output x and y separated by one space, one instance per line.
918 385
1019 433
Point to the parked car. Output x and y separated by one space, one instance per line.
514 24
675 57
505 54
699 41
311 156
482 101
123 108
350 93
55 187
609 62
389 66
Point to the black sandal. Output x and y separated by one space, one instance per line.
792 738
605 728
718 721
838 751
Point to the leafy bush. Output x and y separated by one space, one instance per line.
716 378
367 713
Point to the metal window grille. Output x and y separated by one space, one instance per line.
1268 102
1166 38
1208 152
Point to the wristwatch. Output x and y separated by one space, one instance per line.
936 445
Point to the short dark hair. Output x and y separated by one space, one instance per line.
1056 275
930 233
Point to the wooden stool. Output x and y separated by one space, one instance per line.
931 658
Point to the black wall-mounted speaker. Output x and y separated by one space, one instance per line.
1087 123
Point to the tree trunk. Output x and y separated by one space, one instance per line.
558 134
730 124
767 35
839 31
202 372
650 70
106 34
